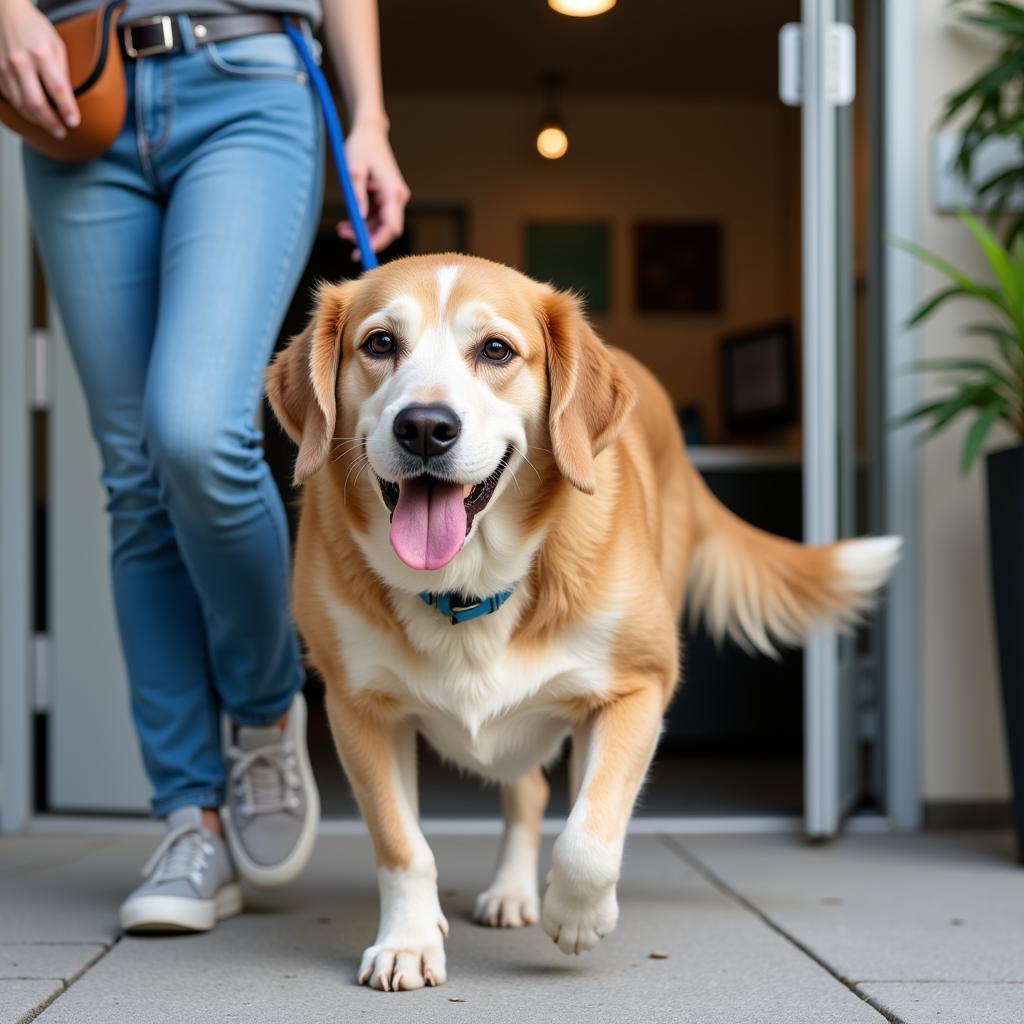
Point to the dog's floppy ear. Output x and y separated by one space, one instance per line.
302 381
589 394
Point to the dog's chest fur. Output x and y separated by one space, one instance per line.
482 702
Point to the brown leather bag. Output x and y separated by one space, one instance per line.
97 76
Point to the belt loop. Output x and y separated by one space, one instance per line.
314 44
188 39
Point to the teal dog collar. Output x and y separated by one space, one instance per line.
460 608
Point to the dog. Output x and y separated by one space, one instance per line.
498 525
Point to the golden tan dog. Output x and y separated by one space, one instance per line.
463 433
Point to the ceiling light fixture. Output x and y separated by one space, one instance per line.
552 142
581 8
552 138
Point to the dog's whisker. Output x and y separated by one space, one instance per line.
361 464
347 450
526 459
351 445
344 492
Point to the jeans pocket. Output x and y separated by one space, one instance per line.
260 57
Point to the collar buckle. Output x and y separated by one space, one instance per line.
460 608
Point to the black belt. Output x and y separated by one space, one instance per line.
152 36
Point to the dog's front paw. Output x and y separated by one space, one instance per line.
401 968
508 905
399 962
577 919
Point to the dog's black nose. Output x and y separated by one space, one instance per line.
427 430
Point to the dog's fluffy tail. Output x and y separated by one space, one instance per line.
761 590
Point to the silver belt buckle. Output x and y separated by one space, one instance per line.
164 21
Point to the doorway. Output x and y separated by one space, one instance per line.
680 156
682 165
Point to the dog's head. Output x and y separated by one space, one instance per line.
446 373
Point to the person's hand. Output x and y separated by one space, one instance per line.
34 76
379 185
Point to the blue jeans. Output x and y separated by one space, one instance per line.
173 259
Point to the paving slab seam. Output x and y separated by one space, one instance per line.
58 861
937 981
66 983
673 844
52 942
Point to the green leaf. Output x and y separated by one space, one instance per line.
1009 8
986 420
1006 341
929 307
1009 179
987 82
971 397
967 365
921 412
980 291
1011 26
1016 226
998 259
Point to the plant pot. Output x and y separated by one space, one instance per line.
1006 540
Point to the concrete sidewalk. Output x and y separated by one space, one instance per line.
758 930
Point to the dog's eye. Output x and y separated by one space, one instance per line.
496 351
380 343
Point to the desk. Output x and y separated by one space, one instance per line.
731 700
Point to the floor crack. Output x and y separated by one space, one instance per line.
66 983
728 891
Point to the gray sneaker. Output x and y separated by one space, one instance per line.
190 883
272 808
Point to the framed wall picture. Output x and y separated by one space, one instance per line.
759 379
572 255
678 267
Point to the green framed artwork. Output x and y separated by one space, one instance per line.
572 255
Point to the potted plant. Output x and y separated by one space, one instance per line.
991 390
991 106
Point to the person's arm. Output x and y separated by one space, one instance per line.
34 75
353 37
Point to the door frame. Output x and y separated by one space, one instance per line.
16 394
896 184
899 182
820 300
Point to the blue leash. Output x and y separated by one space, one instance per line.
337 140
454 606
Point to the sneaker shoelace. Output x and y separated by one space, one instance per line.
265 779
182 854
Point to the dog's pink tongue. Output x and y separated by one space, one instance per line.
428 527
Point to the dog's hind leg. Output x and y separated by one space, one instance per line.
378 751
512 899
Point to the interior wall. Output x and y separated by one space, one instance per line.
962 731
629 159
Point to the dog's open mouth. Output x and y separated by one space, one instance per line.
431 517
